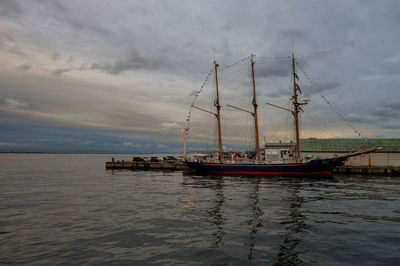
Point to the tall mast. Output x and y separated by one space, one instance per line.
255 110
216 104
297 108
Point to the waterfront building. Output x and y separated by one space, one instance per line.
388 156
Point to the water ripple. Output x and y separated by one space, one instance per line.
66 209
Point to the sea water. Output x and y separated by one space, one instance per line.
67 209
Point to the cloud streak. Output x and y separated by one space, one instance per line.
134 60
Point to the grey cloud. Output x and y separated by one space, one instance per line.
360 118
139 11
25 67
6 36
54 5
387 110
392 126
59 71
308 90
82 67
333 50
55 56
279 68
391 66
15 49
393 105
383 115
10 8
11 103
387 67
294 34
134 60
276 94
329 84
95 66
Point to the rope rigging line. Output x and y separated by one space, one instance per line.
274 57
197 93
236 63
195 97
333 122
331 103
317 122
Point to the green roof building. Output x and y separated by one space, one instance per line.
389 155
341 145
349 145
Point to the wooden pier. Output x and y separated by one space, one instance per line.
146 165
180 166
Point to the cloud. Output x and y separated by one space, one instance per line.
14 144
131 144
324 85
387 111
17 50
277 93
383 115
360 118
70 59
371 77
392 105
10 9
392 60
59 71
25 67
55 56
13 104
169 125
162 146
134 60
279 68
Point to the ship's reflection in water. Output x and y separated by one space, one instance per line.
215 212
245 222
296 225
255 221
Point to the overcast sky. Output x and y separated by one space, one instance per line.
119 76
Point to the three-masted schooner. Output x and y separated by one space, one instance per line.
296 167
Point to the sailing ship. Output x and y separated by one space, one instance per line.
297 166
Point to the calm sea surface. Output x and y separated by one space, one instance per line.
67 209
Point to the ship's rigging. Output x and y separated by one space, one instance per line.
297 104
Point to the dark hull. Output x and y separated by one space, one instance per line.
313 168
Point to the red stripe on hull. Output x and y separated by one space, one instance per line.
271 173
